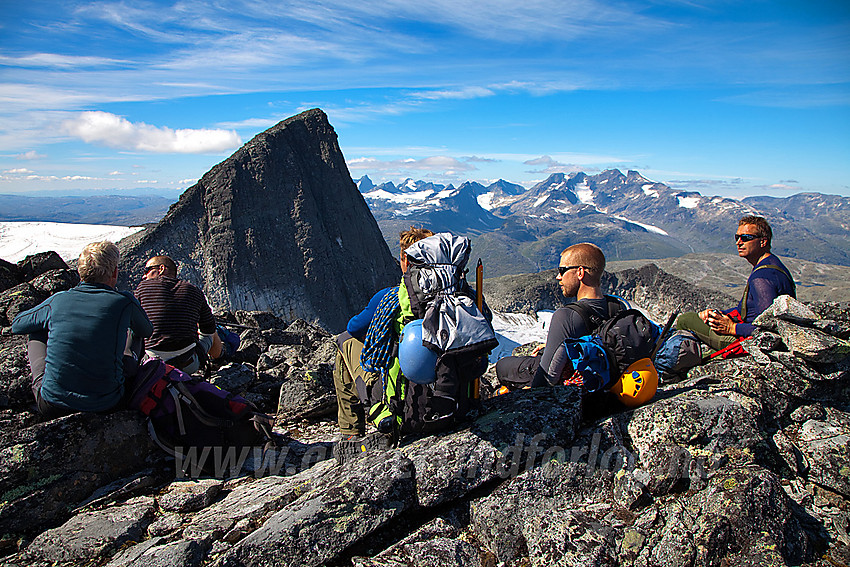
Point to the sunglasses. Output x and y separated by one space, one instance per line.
564 269
746 237
149 268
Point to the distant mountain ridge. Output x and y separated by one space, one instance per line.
117 210
518 230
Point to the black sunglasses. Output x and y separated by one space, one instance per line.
149 268
564 269
746 237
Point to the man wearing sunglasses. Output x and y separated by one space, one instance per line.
768 280
580 276
184 332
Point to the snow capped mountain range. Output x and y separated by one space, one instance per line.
629 216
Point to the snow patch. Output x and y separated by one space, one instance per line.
649 191
21 239
485 201
688 202
540 200
403 198
515 329
584 193
648 227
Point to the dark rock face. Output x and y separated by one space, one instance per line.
279 226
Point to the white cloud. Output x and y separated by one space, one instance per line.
32 154
117 132
553 166
462 93
445 165
187 182
56 60
18 170
116 173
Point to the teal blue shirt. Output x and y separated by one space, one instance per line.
86 336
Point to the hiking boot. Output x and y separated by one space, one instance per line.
353 447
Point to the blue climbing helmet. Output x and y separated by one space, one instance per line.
418 363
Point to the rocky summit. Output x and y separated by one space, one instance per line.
279 226
740 462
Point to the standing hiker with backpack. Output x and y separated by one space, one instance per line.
579 275
424 346
79 348
768 280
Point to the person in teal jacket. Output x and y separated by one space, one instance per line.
78 338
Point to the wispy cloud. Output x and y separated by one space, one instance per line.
118 132
30 155
550 165
444 165
55 60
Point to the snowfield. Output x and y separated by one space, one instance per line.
21 239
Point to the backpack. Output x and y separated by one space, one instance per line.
229 342
678 354
189 418
602 357
453 326
592 320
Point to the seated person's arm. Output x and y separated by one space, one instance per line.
554 354
31 321
359 324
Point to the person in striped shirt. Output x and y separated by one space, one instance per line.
184 330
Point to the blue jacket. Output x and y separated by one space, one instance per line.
86 336
359 324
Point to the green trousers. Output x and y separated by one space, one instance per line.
690 321
354 386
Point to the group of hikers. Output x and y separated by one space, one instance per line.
409 362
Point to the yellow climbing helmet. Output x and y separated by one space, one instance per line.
638 383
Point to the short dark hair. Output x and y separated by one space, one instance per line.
591 257
760 223
170 265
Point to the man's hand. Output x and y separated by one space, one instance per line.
704 315
720 323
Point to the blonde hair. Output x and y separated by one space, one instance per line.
590 256
408 237
98 262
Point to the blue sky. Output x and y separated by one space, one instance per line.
722 97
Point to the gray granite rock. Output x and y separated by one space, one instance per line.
436 544
234 377
785 308
826 446
190 495
342 508
48 468
94 534
516 432
812 344
154 553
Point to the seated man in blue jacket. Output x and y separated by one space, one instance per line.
353 384
78 338
768 280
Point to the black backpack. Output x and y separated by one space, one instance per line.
603 356
208 430
592 319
